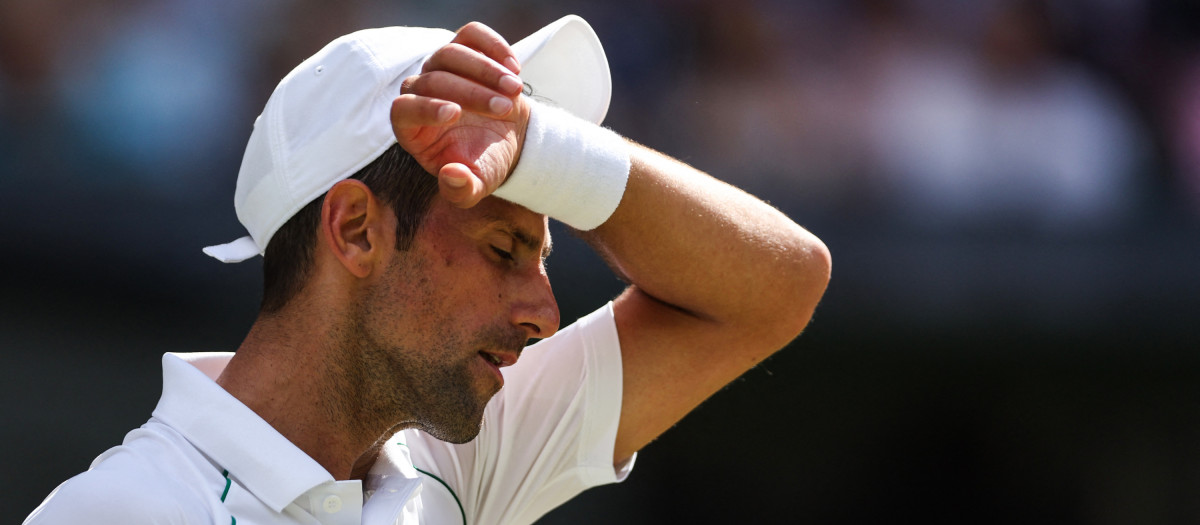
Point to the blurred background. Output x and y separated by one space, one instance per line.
1010 189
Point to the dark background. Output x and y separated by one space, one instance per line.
1010 190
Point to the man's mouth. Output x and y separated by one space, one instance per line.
493 358
500 359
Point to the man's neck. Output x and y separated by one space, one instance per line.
284 376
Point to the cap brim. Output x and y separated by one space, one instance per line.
565 63
234 252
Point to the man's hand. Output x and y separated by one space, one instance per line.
463 118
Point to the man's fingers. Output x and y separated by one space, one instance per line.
453 88
487 41
412 111
475 66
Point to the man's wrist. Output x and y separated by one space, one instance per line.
569 169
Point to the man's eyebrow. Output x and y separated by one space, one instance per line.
523 236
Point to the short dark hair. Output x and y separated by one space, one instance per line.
394 177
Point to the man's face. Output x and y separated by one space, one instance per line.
448 313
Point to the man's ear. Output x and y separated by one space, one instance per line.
353 226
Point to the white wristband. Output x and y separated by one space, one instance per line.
570 169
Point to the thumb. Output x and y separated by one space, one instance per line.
460 186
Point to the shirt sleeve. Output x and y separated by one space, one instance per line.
101 497
548 434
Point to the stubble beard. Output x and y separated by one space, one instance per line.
428 382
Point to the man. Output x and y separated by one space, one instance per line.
369 388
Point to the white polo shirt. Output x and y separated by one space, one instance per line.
204 457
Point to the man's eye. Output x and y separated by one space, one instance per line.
503 254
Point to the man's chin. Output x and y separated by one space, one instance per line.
457 433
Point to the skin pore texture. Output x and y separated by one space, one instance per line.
414 331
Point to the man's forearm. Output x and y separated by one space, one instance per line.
719 280
712 250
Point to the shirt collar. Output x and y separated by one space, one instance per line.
391 484
232 435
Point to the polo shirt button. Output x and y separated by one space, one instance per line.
332 504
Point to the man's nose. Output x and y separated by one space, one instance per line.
534 309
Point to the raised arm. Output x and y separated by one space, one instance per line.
719 280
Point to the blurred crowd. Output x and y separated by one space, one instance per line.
1010 189
1028 116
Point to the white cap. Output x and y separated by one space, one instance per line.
330 116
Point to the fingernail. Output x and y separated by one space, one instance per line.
500 105
455 182
445 113
512 65
510 84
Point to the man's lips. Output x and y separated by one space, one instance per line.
495 360
500 358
